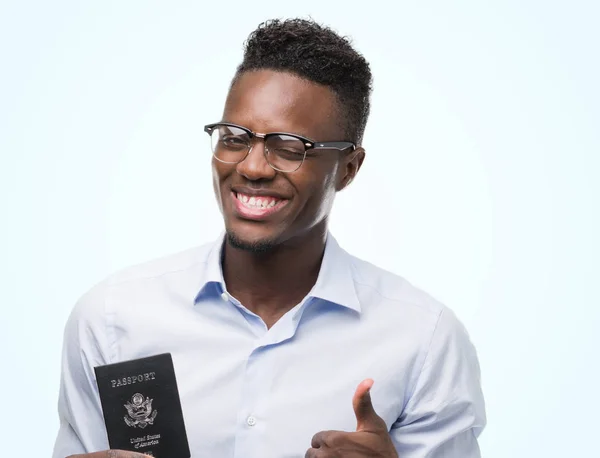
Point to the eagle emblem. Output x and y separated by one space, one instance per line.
139 412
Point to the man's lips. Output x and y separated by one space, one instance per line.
257 207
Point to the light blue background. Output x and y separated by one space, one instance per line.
480 184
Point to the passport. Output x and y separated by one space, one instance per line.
141 407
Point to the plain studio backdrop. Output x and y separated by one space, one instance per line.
480 183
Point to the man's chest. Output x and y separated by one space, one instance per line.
271 403
248 395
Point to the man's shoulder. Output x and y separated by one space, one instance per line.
393 288
161 266
131 280
404 304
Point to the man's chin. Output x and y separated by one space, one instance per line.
257 246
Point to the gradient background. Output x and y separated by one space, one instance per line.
480 183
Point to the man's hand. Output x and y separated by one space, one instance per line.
111 454
371 439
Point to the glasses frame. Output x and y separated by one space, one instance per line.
308 143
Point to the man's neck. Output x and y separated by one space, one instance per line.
270 284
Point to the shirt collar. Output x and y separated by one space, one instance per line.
334 284
211 278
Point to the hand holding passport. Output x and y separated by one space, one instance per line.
111 454
142 410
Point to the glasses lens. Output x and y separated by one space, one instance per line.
229 144
285 153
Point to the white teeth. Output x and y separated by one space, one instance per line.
257 201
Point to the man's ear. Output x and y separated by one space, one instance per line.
350 167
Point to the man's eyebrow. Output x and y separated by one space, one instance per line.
289 131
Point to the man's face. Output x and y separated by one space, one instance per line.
297 202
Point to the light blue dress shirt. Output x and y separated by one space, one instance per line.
252 392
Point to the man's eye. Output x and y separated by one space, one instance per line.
233 141
290 153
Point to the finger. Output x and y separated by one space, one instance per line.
323 439
111 454
128 454
366 417
361 402
315 453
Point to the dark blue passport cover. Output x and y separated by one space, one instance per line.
141 407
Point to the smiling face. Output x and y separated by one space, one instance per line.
262 207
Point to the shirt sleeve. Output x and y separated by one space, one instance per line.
445 412
85 346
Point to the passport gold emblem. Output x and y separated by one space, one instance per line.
139 412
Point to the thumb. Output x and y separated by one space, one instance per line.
366 417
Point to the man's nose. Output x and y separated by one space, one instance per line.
255 165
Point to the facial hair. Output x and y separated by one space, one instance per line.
258 247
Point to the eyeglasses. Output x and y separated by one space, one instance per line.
284 152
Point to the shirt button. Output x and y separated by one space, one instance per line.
251 421
225 297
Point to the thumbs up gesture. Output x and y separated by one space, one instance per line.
371 439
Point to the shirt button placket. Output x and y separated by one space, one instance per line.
256 384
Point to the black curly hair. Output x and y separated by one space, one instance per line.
316 53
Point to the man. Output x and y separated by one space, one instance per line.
284 345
